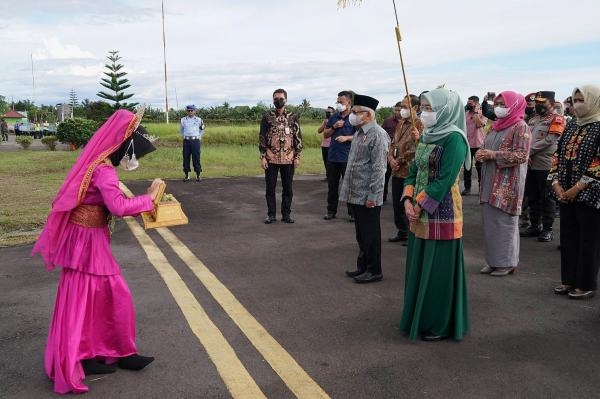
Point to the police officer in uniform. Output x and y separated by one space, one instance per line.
546 127
191 129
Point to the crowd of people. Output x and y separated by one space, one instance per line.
534 152
530 153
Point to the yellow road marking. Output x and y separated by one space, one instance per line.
237 379
299 382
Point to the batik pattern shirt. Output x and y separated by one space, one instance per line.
280 138
503 178
365 173
577 158
432 183
403 146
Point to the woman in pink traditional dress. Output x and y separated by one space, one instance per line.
93 326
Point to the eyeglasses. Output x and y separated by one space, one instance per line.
190 110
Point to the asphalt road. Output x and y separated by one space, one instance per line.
525 342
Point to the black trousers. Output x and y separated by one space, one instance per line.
335 172
325 155
287 177
388 174
400 219
191 149
368 237
579 245
468 173
541 204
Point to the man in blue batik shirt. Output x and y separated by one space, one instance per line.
341 132
191 129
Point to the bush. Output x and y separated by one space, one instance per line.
50 142
25 141
76 131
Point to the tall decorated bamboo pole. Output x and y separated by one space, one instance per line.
344 3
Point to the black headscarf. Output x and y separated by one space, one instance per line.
141 146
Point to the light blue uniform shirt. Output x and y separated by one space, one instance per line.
191 127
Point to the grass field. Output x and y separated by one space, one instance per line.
30 179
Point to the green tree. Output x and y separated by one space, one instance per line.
98 111
3 105
76 131
116 83
73 100
304 105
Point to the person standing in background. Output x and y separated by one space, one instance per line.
191 129
475 123
280 145
326 141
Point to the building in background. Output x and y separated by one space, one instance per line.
63 111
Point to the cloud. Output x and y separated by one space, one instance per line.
53 48
239 51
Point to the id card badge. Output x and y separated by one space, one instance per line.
287 130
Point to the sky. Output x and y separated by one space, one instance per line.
239 51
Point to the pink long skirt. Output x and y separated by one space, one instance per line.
93 317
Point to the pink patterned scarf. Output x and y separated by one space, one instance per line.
516 108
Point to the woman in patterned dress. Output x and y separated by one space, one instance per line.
576 184
435 297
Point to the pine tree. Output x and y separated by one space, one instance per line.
116 82
73 100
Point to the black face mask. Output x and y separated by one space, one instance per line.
541 109
279 103
468 108
529 111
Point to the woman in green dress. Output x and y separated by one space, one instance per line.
435 296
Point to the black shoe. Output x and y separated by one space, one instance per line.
329 216
186 177
562 289
546 236
92 366
466 191
398 238
368 277
135 362
350 219
430 337
354 273
530 232
270 219
198 177
287 219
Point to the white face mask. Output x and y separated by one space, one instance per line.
404 113
429 118
340 107
129 163
581 109
354 120
501 112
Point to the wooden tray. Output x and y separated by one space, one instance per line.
164 214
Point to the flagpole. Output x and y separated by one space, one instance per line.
32 77
162 4
398 40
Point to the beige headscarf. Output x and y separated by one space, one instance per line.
591 96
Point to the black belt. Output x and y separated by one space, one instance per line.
191 138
